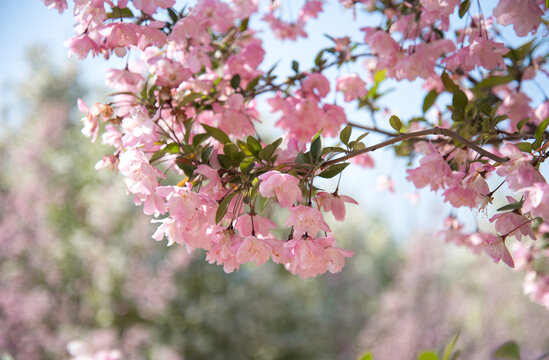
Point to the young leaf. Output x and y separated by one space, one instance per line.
295 66
198 138
345 134
235 81
428 355
508 351
511 206
449 348
333 170
395 123
448 83
367 356
223 206
430 99
540 134
316 149
525 146
217 134
463 7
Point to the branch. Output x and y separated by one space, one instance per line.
415 134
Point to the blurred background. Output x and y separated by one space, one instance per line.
78 266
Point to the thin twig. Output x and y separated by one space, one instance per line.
415 134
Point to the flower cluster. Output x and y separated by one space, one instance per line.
183 119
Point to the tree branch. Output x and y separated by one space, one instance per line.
416 134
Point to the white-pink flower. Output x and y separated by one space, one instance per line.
284 186
307 221
334 203
352 86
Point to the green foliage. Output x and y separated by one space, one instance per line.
508 351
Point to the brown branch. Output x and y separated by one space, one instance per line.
416 134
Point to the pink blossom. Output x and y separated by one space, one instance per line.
495 247
258 225
123 80
141 180
150 6
310 10
81 46
316 84
536 200
253 249
308 257
283 30
364 160
525 15
168 72
140 129
284 186
430 164
306 221
518 171
385 183
60 5
223 251
336 258
541 113
516 107
334 203
352 86
513 224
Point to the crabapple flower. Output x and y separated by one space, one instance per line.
253 249
307 221
495 247
334 203
430 164
524 15
352 86
284 186
513 224
150 6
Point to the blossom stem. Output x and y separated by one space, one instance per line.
413 135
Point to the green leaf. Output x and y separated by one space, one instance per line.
223 206
494 81
379 76
525 147
217 134
511 206
198 138
333 170
253 83
189 98
119 13
244 24
235 81
449 348
448 83
173 15
508 351
540 133
463 7
428 355
429 100
254 144
295 66
395 123
171 148
362 136
345 134
266 153
318 58
459 101
316 149
206 153
367 356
